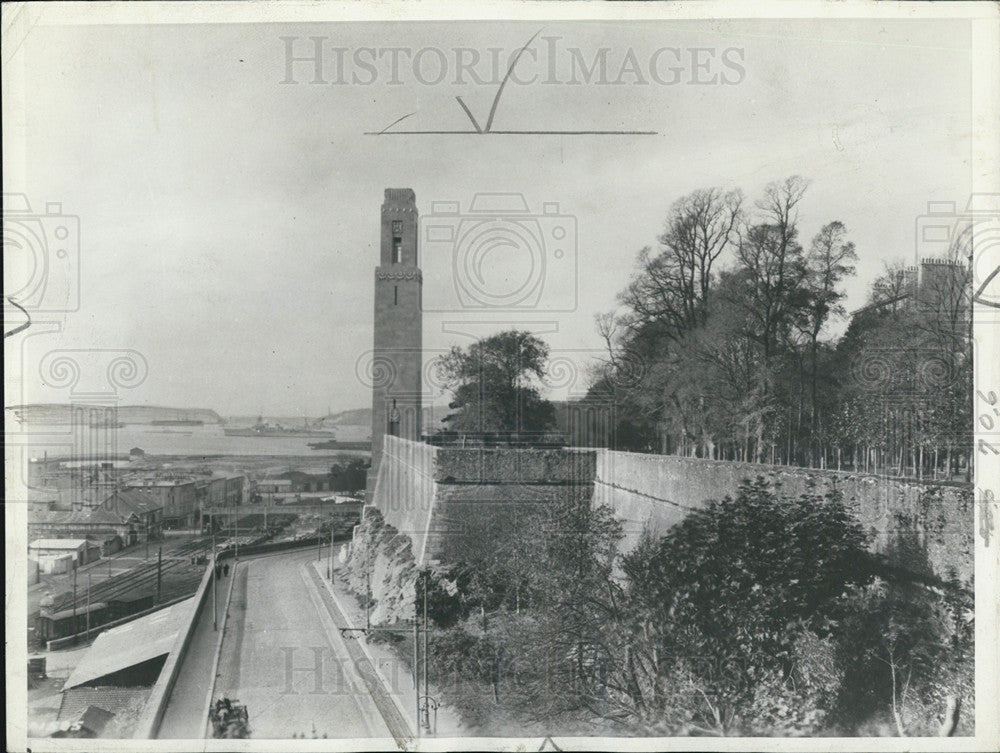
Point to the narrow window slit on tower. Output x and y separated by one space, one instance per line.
397 242
395 295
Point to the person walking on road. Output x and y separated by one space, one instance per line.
225 570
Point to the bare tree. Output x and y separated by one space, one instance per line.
829 260
771 258
672 287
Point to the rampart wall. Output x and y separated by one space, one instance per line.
406 487
925 528
456 504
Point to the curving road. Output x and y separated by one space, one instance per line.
283 657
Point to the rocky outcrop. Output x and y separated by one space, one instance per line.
387 555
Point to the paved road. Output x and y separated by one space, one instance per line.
283 657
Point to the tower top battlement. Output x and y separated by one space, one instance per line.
400 195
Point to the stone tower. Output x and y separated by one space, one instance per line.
396 366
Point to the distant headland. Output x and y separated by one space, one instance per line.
61 413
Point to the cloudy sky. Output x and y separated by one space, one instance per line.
229 221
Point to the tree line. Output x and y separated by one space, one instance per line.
723 348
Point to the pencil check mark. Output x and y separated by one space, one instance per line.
482 130
496 99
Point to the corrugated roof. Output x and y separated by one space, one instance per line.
76 700
57 544
132 643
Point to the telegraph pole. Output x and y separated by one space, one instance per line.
329 558
427 705
368 599
88 605
159 575
74 601
416 661
215 608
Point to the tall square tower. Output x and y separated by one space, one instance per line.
397 358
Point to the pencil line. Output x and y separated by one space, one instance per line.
511 133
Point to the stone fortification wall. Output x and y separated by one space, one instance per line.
924 528
514 467
405 489
449 505
447 500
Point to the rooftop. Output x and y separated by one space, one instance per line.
76 701
135 642
57 544
75 517
127 502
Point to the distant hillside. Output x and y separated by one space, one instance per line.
55 413
355 417
432 415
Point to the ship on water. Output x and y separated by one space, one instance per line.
333 444
263 429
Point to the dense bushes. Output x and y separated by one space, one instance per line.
759 615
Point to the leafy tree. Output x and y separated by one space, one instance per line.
905 650
758 614
493 385
730 317
728 593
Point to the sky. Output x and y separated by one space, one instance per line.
229 222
